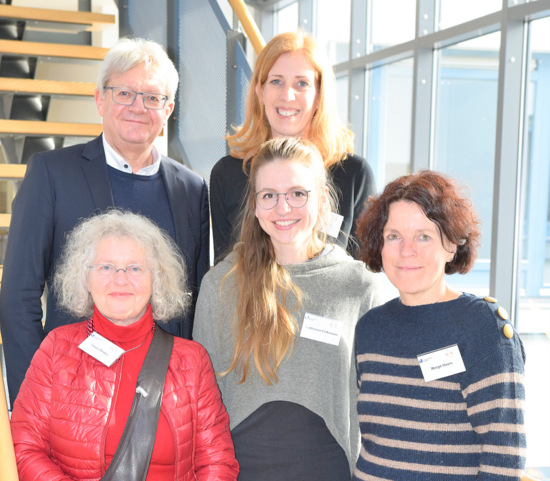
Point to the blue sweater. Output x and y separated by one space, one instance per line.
467 426
144 194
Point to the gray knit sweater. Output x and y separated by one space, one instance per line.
317 375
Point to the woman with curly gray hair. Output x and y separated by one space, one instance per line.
70 420
169 298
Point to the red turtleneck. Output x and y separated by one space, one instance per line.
137 335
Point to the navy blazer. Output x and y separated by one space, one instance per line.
60 188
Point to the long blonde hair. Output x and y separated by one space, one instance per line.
326 132
263 326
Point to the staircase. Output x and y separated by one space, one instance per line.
48 70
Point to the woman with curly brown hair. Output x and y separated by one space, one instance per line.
439 372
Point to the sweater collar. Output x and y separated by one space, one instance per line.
124 336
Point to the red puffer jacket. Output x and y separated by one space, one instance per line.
60 416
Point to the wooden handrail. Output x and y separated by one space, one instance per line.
33 127
250 28
95 21
47 87
12 171
41 49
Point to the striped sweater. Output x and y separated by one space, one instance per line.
466 426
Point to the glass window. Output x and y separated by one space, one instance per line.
454 12
227 10
389 120
534 268
465 129
388 28
333 28
342 89
534 249
286 19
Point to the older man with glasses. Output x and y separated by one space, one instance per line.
135 93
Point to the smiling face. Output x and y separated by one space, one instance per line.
290 95
121 299
133 128
289 228
414 255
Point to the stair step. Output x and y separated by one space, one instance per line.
29 127
46 87
5 221
94 21
41 49
12 171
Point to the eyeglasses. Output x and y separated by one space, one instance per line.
106 271
124 96
294 198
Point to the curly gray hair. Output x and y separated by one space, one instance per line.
169 298
128 53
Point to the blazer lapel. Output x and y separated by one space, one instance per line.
97 176
177 196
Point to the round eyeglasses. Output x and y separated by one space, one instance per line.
107 271
294 198
124 96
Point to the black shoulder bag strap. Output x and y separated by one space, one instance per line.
133 454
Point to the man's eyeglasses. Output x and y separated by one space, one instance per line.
107 271
124 96
294 198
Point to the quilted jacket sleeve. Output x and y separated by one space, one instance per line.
214 452
31 419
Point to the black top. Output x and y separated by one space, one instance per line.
352 178
283 441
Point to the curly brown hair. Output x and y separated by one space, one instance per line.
443 202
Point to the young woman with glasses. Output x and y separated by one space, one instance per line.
277 317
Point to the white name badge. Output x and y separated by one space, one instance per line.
322 329
101 349
333 228
441 363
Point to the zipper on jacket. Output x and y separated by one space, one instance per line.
118 365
